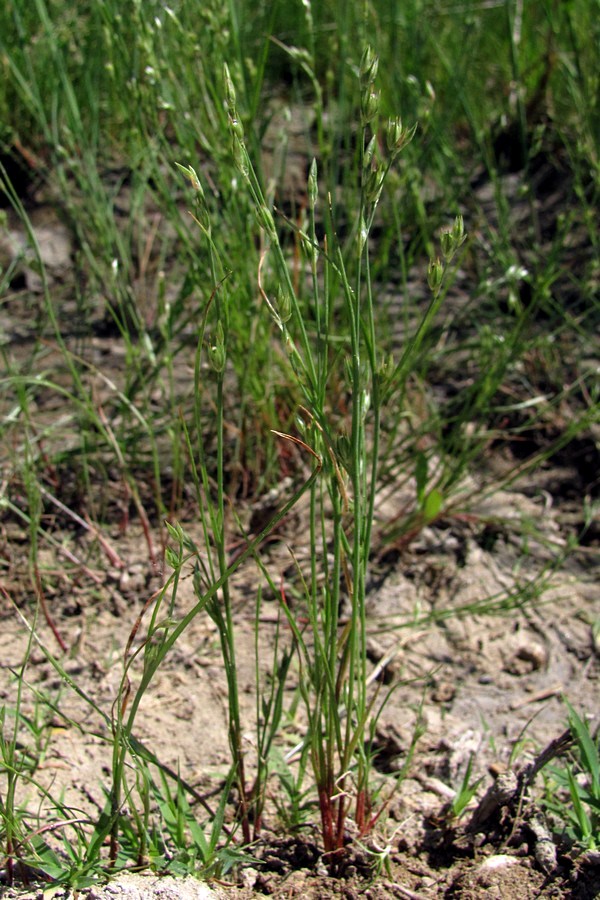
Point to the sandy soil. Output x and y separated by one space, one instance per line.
487 684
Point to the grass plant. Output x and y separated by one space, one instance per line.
573 785
280 331
332 656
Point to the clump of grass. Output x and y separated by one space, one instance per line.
332 648
572 786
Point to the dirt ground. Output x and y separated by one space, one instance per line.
486 685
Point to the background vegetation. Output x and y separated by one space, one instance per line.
339 305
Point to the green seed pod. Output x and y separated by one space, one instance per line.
239 157
373 184
393 133
265 219
283 305
447 244
435 273
369 152
229 90
458 232
300 55
300 424
385 373
191 175
366 402
369 105
307 245
363 234
453 238
368 67
396 136
237 129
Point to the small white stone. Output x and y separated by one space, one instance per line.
498 861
